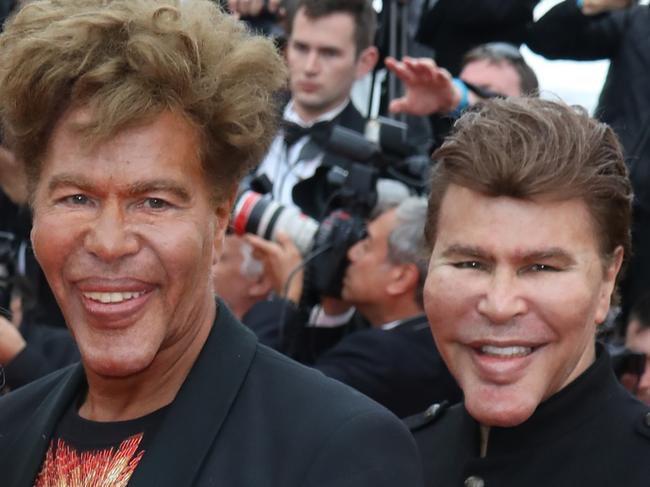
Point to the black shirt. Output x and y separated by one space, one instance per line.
84 452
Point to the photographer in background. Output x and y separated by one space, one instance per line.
637 339
490 70
330 46
394 361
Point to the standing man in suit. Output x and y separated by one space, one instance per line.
330 46
529 223
135 120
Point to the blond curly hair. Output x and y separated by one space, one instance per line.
128 61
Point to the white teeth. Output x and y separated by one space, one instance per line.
506 351
112 297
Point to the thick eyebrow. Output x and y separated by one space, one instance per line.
66 179
326 48
140 187
464 250
159 185
551 253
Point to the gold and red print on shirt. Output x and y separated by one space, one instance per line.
65 467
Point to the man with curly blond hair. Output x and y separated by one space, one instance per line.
134 120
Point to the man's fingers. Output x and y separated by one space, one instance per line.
398 105
264 246
401 71
286 242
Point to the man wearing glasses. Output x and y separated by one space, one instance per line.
490 70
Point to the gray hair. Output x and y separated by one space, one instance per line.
406 243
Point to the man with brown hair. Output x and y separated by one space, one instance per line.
330 46
529 226
135 120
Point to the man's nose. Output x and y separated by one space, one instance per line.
502 300
109 237
353 252
312 64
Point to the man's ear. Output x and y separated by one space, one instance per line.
366 61
222 212
404 279
608 284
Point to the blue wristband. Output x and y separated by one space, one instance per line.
464 98
580 3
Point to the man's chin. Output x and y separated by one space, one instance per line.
109 366
501 409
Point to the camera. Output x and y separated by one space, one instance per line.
373 176
324 245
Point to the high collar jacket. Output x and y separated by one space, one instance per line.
245 416
591 433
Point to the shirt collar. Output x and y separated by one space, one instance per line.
291 115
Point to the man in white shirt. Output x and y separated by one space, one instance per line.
330 47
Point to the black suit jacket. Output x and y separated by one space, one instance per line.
399 368
245 416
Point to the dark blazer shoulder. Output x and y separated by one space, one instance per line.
321 423
17 402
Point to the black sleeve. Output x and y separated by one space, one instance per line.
307 344
48 349
361 361
452 27
565 33
473 12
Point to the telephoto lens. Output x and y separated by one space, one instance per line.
261 215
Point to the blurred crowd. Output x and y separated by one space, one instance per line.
325 259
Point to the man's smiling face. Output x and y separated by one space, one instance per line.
514 293
125 231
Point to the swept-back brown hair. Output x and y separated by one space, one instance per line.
530 148
128 61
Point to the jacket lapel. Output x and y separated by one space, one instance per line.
192 424
28 452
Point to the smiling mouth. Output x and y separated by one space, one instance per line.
506 352
112 297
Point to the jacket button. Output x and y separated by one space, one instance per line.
431 410
474 481
647 420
